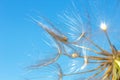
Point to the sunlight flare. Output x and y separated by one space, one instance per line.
103 26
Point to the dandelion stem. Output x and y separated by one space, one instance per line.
97 73
108 38
94 44
85 71
107 73
113 49
97 58
89 49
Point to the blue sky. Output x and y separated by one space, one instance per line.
20 37
18 33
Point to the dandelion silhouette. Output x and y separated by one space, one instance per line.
108 67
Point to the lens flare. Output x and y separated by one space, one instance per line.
103 26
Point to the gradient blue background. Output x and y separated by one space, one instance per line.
18 34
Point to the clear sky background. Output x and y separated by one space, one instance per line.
20 37
18 34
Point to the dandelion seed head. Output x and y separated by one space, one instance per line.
103 26
118 62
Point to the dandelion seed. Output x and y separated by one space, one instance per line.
73 26
104 27
44 63
75 55
50 72
53 32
